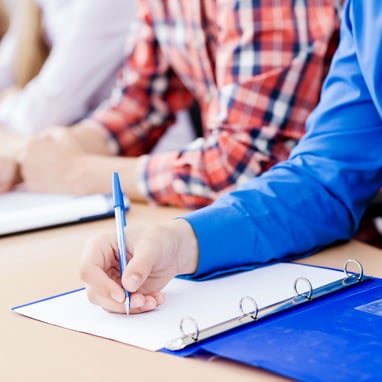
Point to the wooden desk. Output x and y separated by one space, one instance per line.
40 264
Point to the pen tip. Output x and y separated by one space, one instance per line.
127 305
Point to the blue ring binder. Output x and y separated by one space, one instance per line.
245 318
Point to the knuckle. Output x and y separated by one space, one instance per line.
84 272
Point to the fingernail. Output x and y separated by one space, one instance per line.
132 282
119 297
151 304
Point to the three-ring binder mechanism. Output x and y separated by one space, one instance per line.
249 311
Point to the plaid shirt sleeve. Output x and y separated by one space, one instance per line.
268 61
147 94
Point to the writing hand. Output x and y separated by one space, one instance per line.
155 256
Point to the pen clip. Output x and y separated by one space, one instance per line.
118 196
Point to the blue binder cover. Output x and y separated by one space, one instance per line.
334 338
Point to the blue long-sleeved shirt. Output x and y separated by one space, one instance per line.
317 196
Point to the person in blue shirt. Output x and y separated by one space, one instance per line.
334 171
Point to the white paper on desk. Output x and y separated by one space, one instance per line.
208 302
23 211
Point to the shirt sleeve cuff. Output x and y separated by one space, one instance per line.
220 231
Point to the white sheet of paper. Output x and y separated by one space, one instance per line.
22 211
208 302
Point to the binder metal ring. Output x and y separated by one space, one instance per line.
307 294
248 316
359 265
195 334
252 313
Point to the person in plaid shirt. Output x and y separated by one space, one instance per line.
256 70
314 199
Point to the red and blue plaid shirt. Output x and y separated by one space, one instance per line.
256 69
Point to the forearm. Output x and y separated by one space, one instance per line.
286 216
93 175
94 138
312 200
100 161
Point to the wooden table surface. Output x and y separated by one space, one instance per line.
43 263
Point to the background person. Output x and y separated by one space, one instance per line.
255 69
332 173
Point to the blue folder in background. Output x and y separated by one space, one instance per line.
22 211
334 338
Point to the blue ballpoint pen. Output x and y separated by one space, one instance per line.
120 219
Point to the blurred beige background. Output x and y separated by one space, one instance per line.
11 4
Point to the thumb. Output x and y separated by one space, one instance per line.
137 271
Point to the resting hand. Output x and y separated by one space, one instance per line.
50 162
11 144
9 174
155 257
